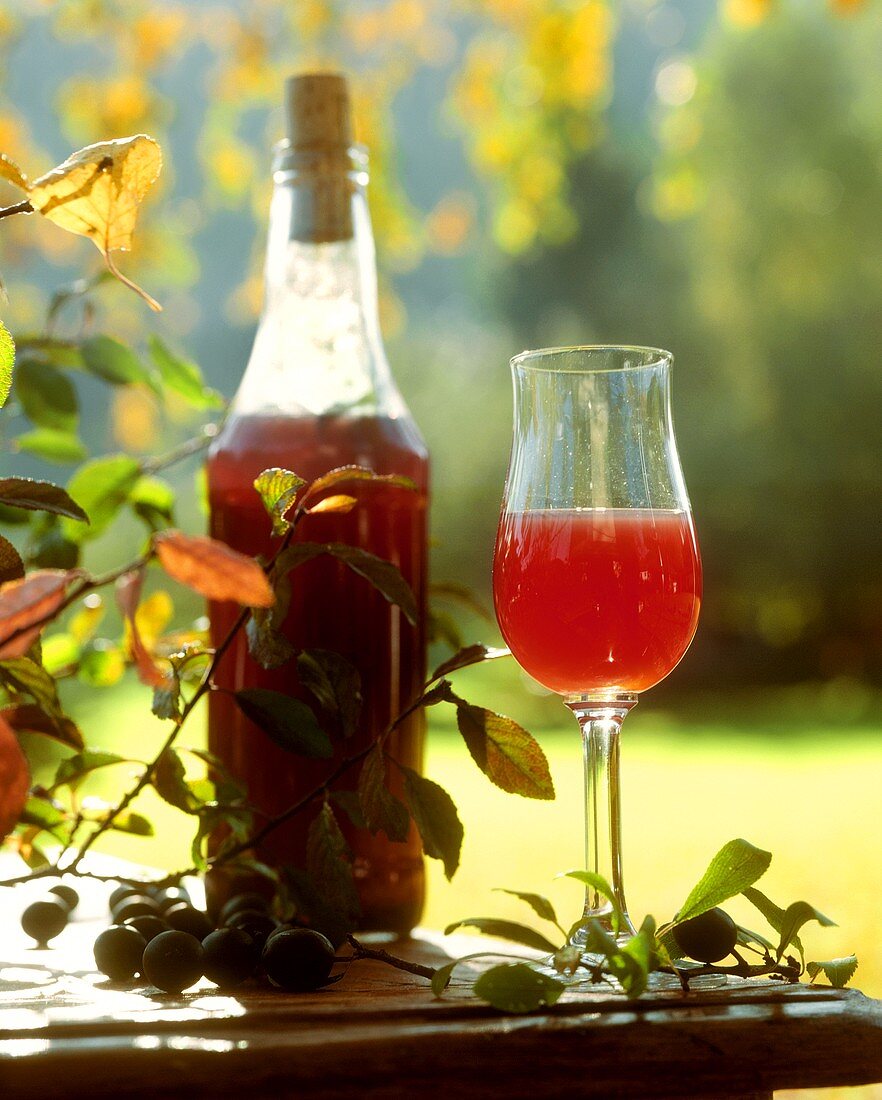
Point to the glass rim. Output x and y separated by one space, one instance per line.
655 357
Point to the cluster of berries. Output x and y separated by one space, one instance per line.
161 936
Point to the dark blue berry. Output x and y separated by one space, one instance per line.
43 920
298 960
173 961
230 957
118 952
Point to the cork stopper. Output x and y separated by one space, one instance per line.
318 112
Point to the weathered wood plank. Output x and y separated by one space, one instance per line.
380 1033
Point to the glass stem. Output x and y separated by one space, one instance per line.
601 723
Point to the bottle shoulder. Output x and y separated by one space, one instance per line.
312 445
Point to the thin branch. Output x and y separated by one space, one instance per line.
362 952
23 207
184 450
203 688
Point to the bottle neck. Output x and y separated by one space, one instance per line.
318 348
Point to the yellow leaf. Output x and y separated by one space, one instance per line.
10 171
96 193
338 503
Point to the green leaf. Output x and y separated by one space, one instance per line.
504 751
288 722
102 665
183 377
31 718
328 862
541 906
736 866
350 804
47 396
102 486
59 651
357 473
506 930
469 655
42 814
7 359
278 490
382 810
133 823
436 819
169 780
40 496
295 556
518 987
153 500
838 972
601 888
50 549
442 627
441 977
21 674
336 684
383 575
311 905
167 699
112 361
795 916
460 594
11 565
62 448
773 914
71 772
266 643
639 951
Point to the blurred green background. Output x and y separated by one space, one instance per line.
696 175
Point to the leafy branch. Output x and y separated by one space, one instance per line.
627 961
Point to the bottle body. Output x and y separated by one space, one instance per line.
334 609
318 394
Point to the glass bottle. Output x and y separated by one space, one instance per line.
318 394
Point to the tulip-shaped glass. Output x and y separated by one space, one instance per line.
596 575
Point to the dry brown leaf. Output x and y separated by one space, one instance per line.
26 605
213 569
14 779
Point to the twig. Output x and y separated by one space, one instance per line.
202 688
23 207
184 450
362 952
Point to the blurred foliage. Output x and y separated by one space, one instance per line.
750 241
527 80
738 227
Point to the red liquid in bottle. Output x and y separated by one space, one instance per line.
334 609
597 600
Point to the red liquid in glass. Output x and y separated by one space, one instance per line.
331 608
597 600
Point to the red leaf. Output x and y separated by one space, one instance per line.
27 605
33 719
128 596
213 569
14 779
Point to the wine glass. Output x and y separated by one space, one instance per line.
596 574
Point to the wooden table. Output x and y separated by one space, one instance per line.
66 1032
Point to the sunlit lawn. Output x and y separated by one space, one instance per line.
775 769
